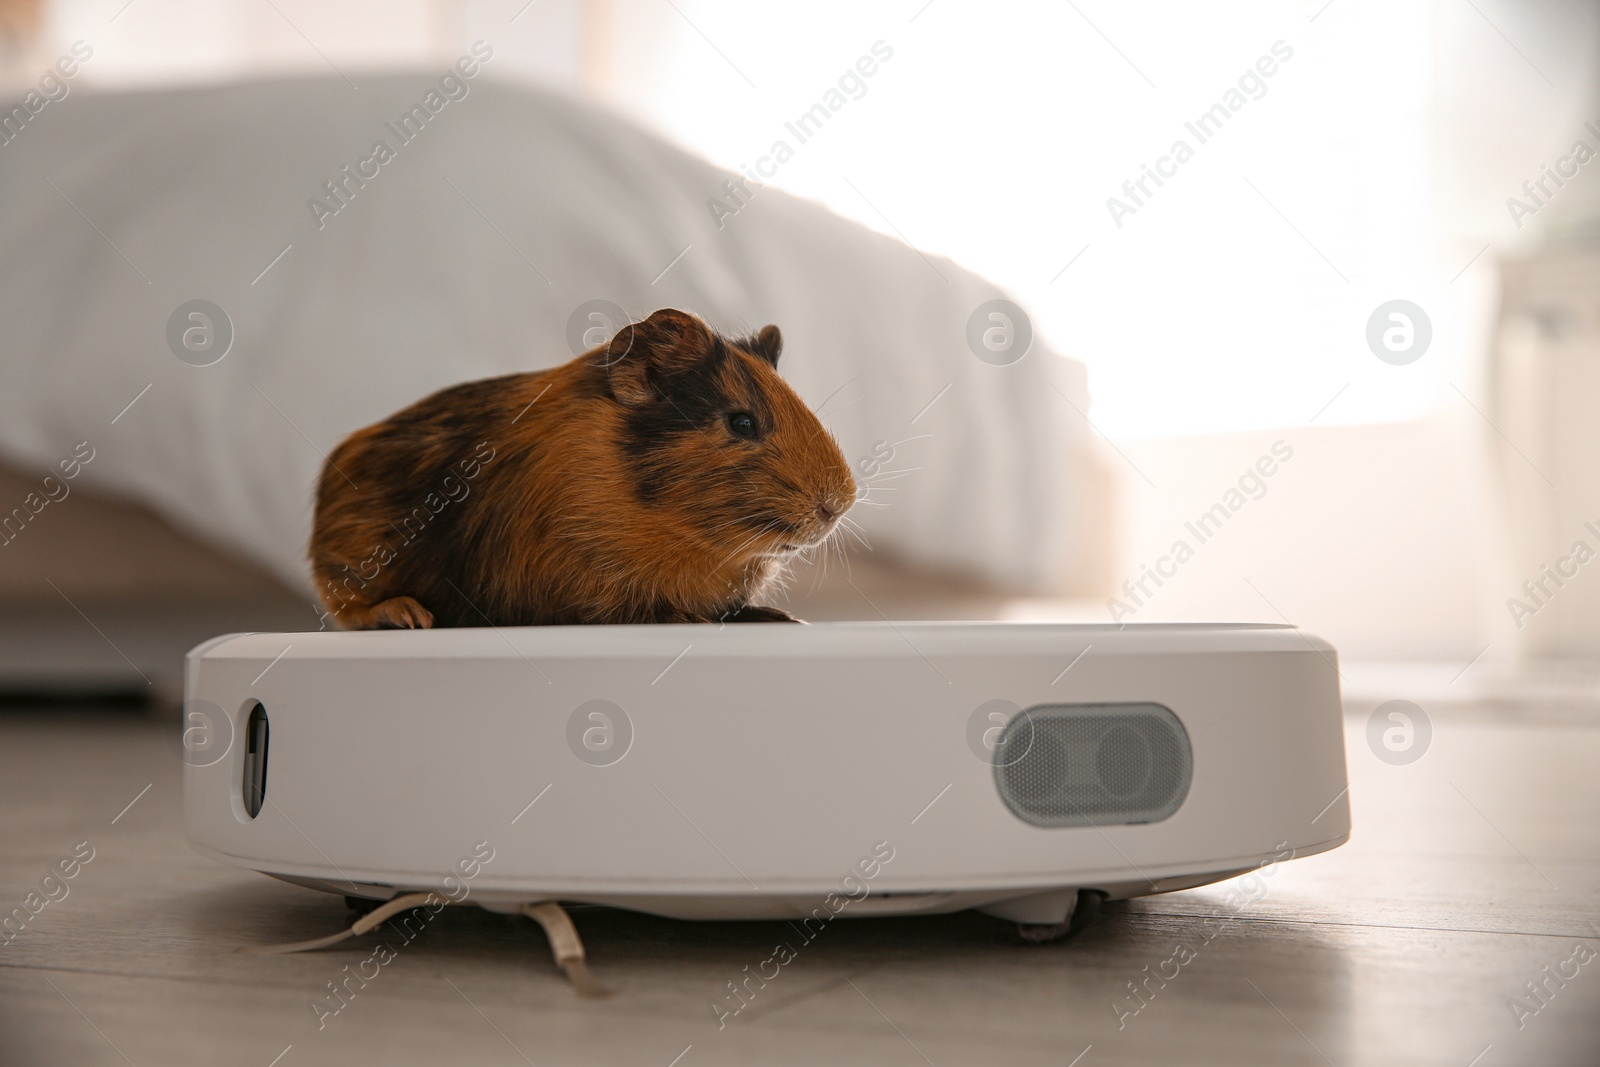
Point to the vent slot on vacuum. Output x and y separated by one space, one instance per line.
256 733
1093 764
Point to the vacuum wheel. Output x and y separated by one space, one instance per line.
1083 913
360 905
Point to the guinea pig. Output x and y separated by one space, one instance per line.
662 477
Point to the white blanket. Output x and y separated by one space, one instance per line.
465 254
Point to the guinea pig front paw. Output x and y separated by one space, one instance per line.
401 613
755 613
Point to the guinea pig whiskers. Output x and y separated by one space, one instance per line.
737 550
880 481
819 408
762 532
863 496
750 538
725 525
820 571
737 520
841 407
836 545
782 577
853 528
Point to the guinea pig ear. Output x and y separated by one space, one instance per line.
642 353
768 344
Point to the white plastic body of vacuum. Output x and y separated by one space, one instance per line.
767 770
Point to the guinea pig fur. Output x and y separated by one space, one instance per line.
662 477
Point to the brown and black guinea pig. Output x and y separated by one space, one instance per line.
663 477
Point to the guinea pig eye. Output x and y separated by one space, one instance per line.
743 424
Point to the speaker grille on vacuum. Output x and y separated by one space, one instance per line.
1093 764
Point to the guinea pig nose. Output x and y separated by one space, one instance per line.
825 513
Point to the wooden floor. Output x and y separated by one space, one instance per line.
1471 871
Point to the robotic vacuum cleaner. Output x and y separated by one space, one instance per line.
767 771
